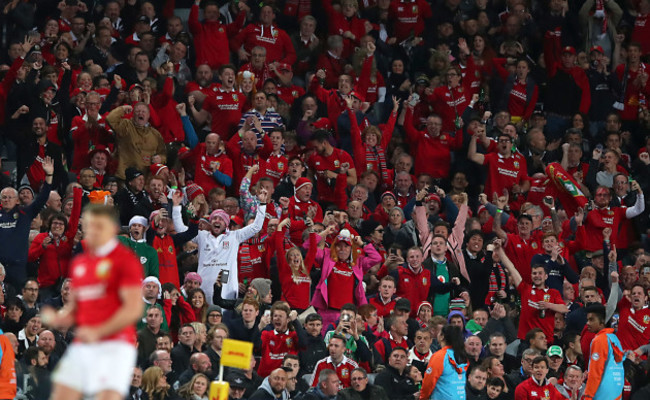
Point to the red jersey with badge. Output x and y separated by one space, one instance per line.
530 314
343 370
340 285
277 166
383 309
226 110
633 326
409 16
599 219
290 94
97 282
205 166
450 103
319 164
277 43
530 389
503 172
412 286
276 345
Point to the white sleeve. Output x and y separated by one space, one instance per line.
637 208
381 94
250 230
179 226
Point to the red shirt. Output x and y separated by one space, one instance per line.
412 286
204 173
409 16
531 390
503 172
319 164
297 212
641 32
517 100
289 94
343 370
383 310
633 93
84 139
633 326
340 285
208 90
599 219
226 110
97 281
276 345
276 167
451 103
277 43
521 252
530 317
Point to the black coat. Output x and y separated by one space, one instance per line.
396 386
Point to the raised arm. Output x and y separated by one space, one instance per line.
471 151
505 261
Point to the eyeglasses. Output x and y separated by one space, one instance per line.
504 140
214 315
360 378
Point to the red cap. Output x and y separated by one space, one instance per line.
597 48
568 49
322 123
434 197
183 152
96 149
284 67
358 95
136 86
302 181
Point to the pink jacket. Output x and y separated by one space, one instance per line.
364 263
454 241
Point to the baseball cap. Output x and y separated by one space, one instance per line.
403 304
555 351
568 49
236 379
597 48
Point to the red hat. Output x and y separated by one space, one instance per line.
358 95
424 304
183 152
344 236
99 148
568 49
388 193
480 209
237 220
434 197
284 67
156 169
322 123
193 191
597 48
302 182
136 86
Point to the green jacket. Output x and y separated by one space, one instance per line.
147 255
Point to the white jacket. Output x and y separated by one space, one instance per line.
217 253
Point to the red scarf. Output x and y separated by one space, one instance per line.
376 154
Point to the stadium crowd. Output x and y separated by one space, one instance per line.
391 199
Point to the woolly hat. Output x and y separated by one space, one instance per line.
26 187
214 308
368 227
156 169
388 193
302 181
154 280
193 191
138 219
193 276
98 149
434 197
424 304
344 236
131 173
263 286
220 214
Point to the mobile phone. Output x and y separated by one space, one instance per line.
225 276
391 251
414 99
267 313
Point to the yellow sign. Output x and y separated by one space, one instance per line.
219 390
236 353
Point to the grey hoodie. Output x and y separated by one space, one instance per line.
266 386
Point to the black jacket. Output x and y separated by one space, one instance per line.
314 350
396 386
181 357
372 392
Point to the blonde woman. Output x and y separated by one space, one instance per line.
154 384
195 389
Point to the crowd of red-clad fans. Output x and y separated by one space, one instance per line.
392 199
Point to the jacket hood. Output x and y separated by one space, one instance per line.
453 313
266 386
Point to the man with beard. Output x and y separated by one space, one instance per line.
88 131
137 141
138 243
130 195
273 387
199 364
218 248
202 85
